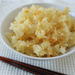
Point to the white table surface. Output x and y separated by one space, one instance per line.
63 65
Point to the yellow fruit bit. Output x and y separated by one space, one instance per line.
20 46
59 33
56 42
19 26
64 30
23 42
13 23
39 37
22 38
49 11
43 54
26 11
13 19
24 8
45 40
51 23
71 23
61 39
59 45
16 50
33 28
50 38
40 20
56 11
31 47
24 33
12 34
51 51
50 29
42 17
25 29
18 43
35 14
67 21
26 17
21 21
35 37
53 40
39 11
29 22
14 46
29 8
72 26
39 30
48 56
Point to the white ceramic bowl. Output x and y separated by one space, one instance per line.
9 18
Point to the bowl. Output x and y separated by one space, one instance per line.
9 18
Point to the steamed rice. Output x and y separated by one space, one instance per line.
42 32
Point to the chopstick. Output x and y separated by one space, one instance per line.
30 68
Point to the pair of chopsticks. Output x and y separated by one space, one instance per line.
30 68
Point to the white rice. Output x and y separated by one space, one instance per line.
42 32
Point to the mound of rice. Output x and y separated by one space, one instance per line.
42 32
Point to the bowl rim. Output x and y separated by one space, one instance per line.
27 56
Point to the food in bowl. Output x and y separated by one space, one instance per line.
42 32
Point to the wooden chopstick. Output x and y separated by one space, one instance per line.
30 68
